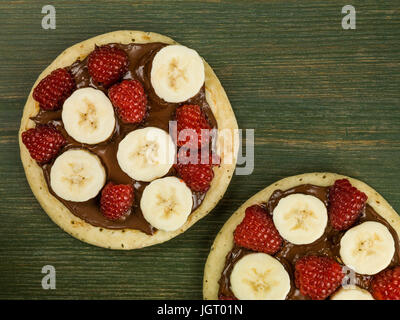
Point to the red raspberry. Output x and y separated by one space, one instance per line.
129 99
116 200
52 91
107 64
318 277
257 231
345 204
191 118
197 176
43 142
386 284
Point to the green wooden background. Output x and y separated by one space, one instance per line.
319 98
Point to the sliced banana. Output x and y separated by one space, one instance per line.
353 293
367 248
258 276
166 203
300 218
88 116
177 73
77 175
146 154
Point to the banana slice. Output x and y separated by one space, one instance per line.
177 73
258 276
367 248
88 116
353 293
146 154
300 218
166 203
77 175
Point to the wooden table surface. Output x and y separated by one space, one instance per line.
320 98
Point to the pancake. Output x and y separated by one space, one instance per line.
224 241
128 238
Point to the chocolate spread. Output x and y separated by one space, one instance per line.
159 113
327 245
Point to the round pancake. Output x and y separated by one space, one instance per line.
223 243
128 238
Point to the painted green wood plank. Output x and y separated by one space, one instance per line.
319 97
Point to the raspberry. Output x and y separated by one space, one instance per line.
386 284
257 231
345 204
129 99
107 64
318 277
116 200
52 91
191 118
197 176
43 142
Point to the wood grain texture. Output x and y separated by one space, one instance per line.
320 99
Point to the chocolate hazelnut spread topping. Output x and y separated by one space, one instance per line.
327 245
159 113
